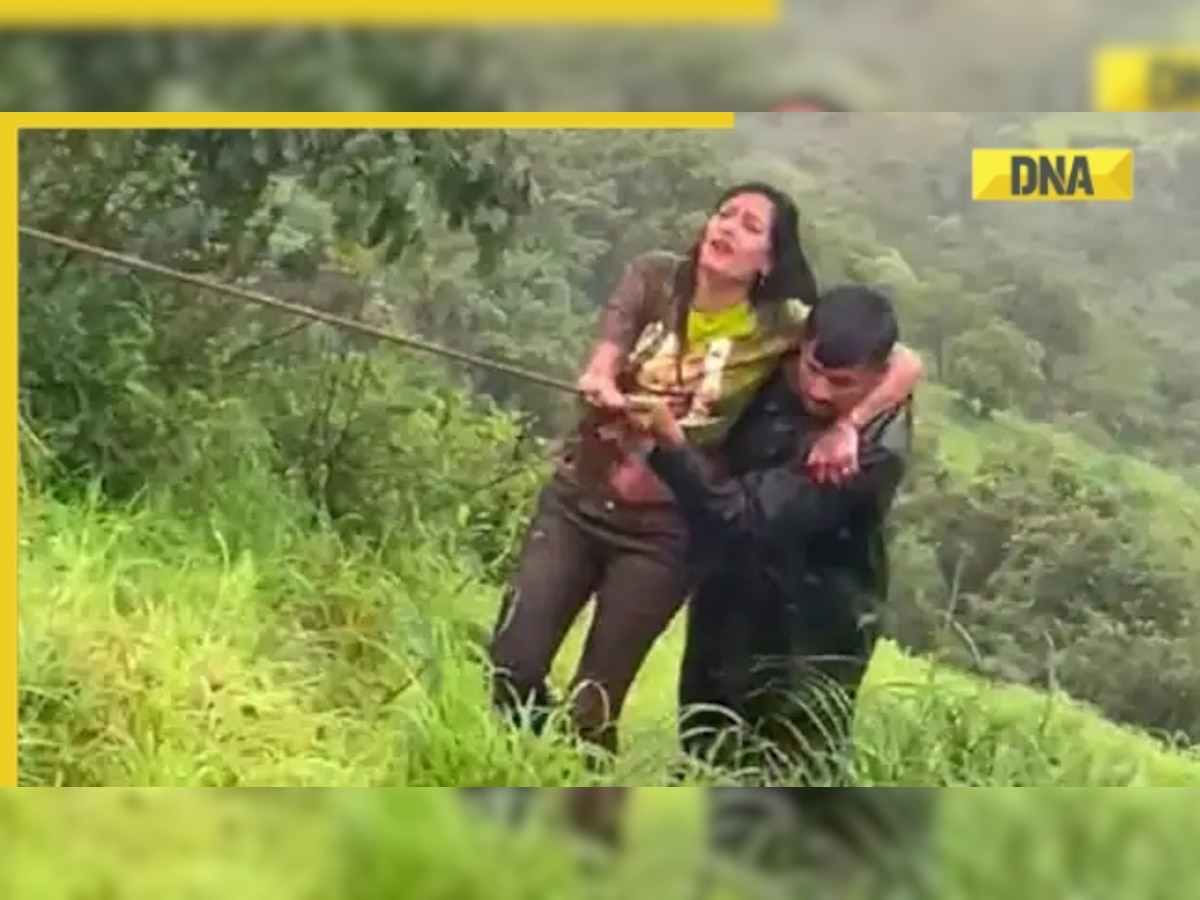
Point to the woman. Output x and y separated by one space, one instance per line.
705 330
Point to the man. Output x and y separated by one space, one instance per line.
791 574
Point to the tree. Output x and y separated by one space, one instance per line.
994 367
97 376
936 311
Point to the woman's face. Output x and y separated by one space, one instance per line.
736 243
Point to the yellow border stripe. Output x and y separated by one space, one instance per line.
8 453
413 12
513 120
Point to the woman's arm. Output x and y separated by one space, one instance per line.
833 457
623 317
605 362
901 379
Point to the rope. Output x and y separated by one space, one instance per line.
136 264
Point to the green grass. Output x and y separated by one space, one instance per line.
157 655
365 844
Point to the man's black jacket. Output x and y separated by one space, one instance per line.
765 537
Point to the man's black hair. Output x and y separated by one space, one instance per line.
853 325
791 276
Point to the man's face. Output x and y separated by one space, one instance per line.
827 392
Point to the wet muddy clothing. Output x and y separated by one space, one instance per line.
604 526
714 361
780 632
579 545
790 578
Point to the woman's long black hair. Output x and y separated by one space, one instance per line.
791 276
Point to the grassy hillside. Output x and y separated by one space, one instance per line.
1175 500
152 655
259 651
359 844
256 649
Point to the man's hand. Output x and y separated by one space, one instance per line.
654 417
834 456
601 392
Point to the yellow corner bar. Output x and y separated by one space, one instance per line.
406 12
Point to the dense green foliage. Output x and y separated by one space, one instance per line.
258 552
1046 554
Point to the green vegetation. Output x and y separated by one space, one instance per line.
160 658
997 843
256 553
153 655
